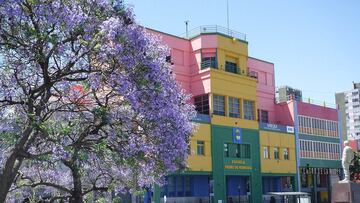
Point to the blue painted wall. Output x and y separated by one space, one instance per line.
271 184
199 186
232 185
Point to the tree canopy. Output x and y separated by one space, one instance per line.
87 101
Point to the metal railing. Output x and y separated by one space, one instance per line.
209 64
309 101
253 74
208 29
236 70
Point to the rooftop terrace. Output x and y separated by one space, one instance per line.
214 29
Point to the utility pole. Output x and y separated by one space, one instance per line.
227 15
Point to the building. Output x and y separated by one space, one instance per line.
247 143
277 138
318 141
349 105
355 145
286 93
224 163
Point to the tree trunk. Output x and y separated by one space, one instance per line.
12 165
8 175
77 196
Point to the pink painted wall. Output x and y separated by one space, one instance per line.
186 56
206 43
285 113
317 111
265 90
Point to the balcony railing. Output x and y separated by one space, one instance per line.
307 100
204 118
209 64
252 74
235 70
210 29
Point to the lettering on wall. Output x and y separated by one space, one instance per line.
237 165
278 128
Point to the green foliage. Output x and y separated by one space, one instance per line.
8 138
101 200
117 200
101 146
355 167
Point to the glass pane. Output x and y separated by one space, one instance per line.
219 105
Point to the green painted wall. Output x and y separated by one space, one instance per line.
319 138
320 163
235 166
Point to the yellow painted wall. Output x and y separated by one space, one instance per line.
233 49
200 162
233 85
280 140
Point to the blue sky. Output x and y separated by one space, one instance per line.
315 45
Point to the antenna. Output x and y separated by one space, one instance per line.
186 27
227 14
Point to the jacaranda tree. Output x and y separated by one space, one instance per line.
88 101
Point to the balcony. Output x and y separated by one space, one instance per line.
212 63
214 29
202 118
253 74
232 68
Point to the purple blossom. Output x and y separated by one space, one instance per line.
129 124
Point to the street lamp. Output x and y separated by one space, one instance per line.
239 188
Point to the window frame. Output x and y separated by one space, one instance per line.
266 153
276 153
249 103
217 111
232 106
226 150
264 112
203 98
286 154
200 144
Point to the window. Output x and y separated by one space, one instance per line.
187 184
231 67
276 153
304 180
234 107
207 62
219 105
355 100
249 113
202 104
179 186
237 152
266 153
171 185
264 116
226 150
200 148
244 150
286 154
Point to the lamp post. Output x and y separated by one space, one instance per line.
239 188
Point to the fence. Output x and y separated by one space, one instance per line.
209 29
